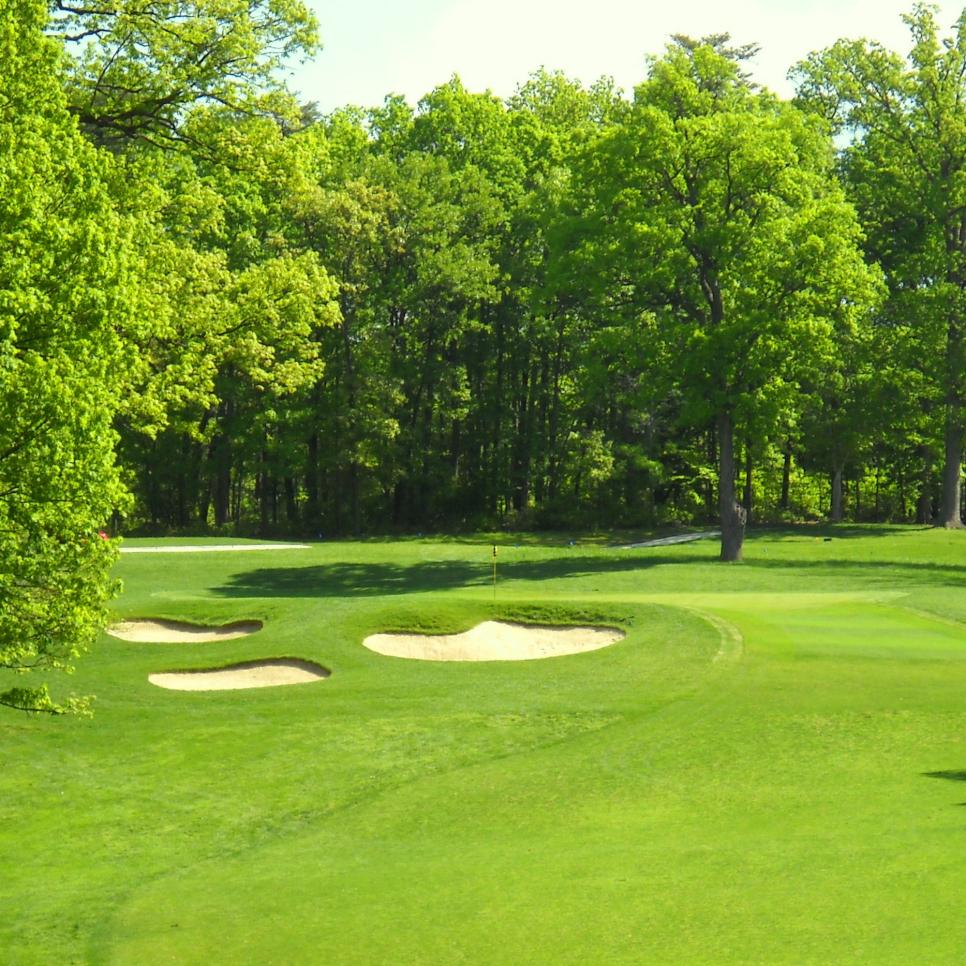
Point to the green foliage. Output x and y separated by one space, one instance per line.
563 306
905 168
710 220
140 65
65 298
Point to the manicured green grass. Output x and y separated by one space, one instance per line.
768 768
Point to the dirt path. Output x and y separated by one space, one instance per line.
216 547
667 541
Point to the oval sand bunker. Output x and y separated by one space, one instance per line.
251 674
495 641
177 632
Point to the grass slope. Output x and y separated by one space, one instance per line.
766 769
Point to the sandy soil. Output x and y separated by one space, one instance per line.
215 547
252 674
495 641
175 632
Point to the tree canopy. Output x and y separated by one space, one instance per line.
139 66
223 311
65 299
905 168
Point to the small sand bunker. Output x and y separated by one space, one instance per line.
176 632
251 674
495 641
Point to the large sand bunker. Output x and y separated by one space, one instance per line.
177 632
251 674
495 641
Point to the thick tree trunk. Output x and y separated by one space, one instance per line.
952 469
836 514
204 505
949 513
732 513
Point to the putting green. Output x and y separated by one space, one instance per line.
768 767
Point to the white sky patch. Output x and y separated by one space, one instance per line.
377 47
498 43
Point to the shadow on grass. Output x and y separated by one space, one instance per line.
622 537
377 579
901 570
952 776
842 531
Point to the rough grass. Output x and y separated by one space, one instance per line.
676 797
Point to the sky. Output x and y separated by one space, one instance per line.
372 48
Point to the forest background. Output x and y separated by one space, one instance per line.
221 310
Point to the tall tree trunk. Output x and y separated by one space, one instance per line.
952 470
732 513
263 487
291 504
542 433
712 460
949 515
522 443
553 463
221 479
355 501
203 485
836 514
313 508
924 504
786 477
749 493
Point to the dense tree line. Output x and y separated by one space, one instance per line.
220 309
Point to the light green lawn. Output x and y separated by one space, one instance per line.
768 768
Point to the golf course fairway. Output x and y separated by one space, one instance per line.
768 767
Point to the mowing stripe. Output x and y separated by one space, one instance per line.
732 643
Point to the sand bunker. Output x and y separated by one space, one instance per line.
251 674
495 641
176 632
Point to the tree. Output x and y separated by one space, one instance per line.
141 65
905 168
237 303
65 305
720 224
